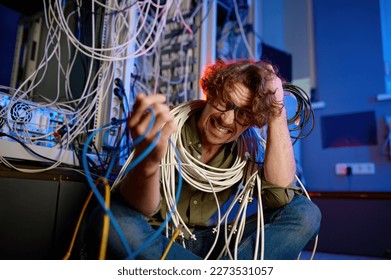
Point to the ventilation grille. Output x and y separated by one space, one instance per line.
2 120
20 112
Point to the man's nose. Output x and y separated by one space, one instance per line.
228 116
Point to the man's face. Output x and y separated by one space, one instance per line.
217 127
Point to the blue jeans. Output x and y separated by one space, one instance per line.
287 231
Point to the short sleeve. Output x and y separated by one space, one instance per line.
275 196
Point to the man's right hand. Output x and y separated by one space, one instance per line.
141 186
138 123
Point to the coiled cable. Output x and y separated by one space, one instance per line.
304 115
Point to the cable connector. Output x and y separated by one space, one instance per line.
251 194
115 121
118 82
234 230
118 92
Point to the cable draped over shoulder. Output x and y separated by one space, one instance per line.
211 179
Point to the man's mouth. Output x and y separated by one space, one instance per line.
220 128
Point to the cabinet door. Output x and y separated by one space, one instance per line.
27 218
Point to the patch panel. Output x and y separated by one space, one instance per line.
179 58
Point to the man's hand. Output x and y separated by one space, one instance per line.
275 85
141 188
138 124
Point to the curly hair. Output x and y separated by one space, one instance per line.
221 78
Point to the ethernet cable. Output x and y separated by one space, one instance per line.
195 175
244 38
132 164
99 196
159 231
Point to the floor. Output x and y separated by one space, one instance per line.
306 255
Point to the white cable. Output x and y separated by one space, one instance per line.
308 196
203 177
248 47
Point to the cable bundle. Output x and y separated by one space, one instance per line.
212 180
304 113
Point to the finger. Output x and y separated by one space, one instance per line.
166 132
141 105
270 68
161 115
142 125
164 125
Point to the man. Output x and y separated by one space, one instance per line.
240 95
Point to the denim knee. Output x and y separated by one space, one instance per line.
308 215
132 224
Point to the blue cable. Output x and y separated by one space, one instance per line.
98 195
144 153
136 142
130 167
117 150
163 225
150 125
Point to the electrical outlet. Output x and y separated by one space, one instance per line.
363 168
341 169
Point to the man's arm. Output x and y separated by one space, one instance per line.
280 165
141 187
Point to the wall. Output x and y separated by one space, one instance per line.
350 74
8 29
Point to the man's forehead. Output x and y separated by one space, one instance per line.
241 96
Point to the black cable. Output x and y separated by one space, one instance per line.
304 115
